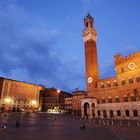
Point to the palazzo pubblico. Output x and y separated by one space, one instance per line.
116 97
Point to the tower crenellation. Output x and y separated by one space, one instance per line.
119 59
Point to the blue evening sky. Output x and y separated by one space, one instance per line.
41 40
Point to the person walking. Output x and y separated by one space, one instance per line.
3 128
17 121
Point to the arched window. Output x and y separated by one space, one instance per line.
102 85
98 112
111 114
117 99
118 113
93 105
108 85
135 113
104 114
127 113
91 24
87 24
115 83
133 98
109 100
123 82
130 81
138 79
103 100
125 98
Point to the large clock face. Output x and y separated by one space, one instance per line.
89 80
131 65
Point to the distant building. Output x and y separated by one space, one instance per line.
68 105
53 100
16 95
116 97
76 101
73 104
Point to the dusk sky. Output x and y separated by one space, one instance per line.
41 40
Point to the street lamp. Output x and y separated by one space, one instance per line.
34 102
7 100
58 91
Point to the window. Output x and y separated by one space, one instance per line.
111 114
135 113
102 86
104 114
117 99
118 113
91 24
122 70
138 79
125 99
123 82
98 101
133 98
109 100
127 113
108 85
130 81
87 24
115 84
103 100
98 112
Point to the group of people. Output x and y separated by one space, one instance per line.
3 123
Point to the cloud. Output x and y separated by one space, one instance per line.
28 50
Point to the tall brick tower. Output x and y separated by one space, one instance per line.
89 36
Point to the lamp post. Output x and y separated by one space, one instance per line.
7 101
34 104
58 91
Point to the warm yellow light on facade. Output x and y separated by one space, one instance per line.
7 100
58 91
34 102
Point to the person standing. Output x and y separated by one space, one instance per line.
17 121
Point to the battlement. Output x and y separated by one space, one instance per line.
119 58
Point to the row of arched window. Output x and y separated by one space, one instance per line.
132 98
123 82
127 113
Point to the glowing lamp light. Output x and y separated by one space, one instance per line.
7 100
58 91
34 102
